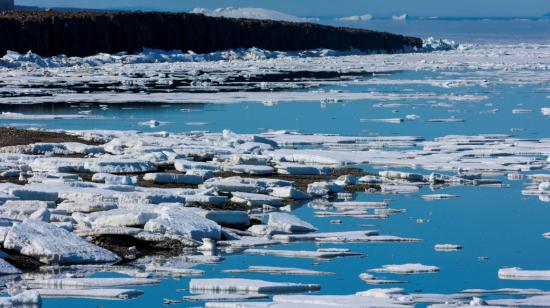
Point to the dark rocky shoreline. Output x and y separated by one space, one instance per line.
87 33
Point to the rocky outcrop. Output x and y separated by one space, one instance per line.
82 34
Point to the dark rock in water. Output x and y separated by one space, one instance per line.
88 33
129 248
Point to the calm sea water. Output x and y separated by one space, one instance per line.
497 223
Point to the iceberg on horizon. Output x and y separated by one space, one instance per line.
365 17
251 13
400 17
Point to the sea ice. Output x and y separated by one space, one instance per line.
248 286
52 245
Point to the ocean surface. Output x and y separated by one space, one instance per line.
497 223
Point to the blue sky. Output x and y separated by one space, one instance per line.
330 8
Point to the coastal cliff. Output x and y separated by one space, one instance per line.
88 33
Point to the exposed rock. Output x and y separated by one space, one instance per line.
82 34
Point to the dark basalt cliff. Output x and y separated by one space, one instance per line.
82 34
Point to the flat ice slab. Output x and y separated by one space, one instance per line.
322 235
534 301
317 254
249 286
52 245
447 247
516 273
289 223
173 178
90 293
410 268
71 283
279 271
224 297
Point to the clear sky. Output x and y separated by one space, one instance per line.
329 8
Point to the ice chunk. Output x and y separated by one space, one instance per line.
229 218
41 214
317 236
111 179
25 298
256 200
370 279
401 175
90 293
224 297
516 273
410 268
77 283
323 188
248 285
534 301
29 193
86 206
181 221
250 169
447 247
289 193
438 196
173 178
289 223
279 271
399 189
52 245
183 165
300 169
121 218
317 254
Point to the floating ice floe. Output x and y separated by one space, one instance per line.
516 273
389 120
321 235
96 293
222 297
438 196
279 271
20 116
447 247
248 285
534 301
410 268
370 279
90 282
325 253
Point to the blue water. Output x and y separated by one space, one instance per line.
315 117
497 223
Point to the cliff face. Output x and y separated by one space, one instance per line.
82 34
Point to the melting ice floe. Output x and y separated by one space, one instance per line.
46 217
